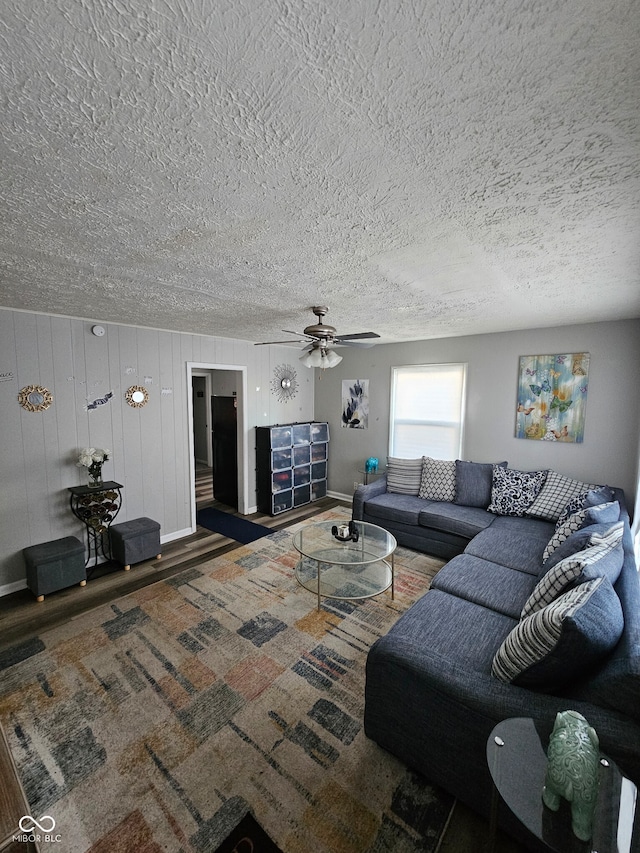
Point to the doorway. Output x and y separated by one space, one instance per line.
209 382
224 441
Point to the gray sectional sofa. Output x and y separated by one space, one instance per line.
436 683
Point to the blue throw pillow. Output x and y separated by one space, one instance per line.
599 495
473 483
579 540
602 514
564 640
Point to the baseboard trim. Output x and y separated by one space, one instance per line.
340 497
8 588
177 534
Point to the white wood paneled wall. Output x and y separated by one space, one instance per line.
149 446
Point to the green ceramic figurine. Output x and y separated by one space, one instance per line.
572 770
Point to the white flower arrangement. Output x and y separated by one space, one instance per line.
89 456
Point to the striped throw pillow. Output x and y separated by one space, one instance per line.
563 640
403 475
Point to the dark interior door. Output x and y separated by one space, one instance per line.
225 450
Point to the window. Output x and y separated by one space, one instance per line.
427 411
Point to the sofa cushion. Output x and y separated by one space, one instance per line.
555 494
395 507
602 514
474 481
403 475
603 559
581 539
428 624
462 520
488 584
513 491
438 479
514 542
563 640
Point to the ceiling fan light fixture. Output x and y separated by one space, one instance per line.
321 357
312 359
332 358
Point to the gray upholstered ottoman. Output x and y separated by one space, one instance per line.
55 565
134 541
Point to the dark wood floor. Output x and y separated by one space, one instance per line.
22 618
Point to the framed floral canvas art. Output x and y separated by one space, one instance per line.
552 397
355 403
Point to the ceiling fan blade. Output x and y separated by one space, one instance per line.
268 343
357 336
361 344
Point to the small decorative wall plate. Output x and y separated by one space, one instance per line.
35 398
284 383
137 396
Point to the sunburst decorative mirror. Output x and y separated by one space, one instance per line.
35 398
284 383
137 396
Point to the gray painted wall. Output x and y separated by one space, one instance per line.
150 446
608 454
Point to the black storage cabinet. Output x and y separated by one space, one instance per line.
291 465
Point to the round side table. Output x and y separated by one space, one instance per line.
518 762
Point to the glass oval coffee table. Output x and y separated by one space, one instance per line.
345 570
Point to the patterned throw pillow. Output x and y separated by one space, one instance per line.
563 640
403 475
555 494
599 495
514 491
438 482
587 564
592 534
602 514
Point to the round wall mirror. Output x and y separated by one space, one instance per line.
137 396
35 398
284 383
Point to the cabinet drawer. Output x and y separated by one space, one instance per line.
282 501
281 459
302 454
281 437
281 480
301 495
301 433
318 452
319 471
302 475
318 490
319 432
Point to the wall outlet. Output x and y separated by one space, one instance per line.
355 485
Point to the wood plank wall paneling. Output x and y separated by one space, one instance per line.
150 446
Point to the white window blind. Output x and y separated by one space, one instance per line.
427 411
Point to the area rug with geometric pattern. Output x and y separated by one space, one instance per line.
158 721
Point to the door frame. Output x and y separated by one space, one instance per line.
198 367
201 374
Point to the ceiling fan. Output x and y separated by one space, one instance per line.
321 338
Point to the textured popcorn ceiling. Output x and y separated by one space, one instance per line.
425 169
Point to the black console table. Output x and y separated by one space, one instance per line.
96 508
